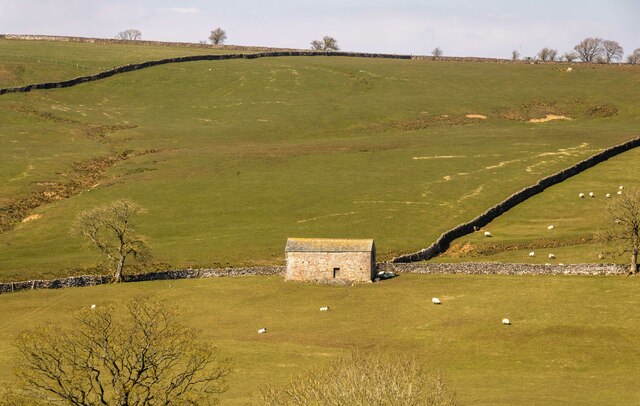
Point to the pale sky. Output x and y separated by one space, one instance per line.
491 28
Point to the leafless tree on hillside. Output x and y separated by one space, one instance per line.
110 229
515 55
436 53
547 54
570 56
634 58
145 358
218 36
589 49
326 44
612 51
131 35
624 230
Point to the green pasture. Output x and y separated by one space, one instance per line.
576 222
232 157
26 62
573 339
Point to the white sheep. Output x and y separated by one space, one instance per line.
550 228
532 254
506 322
591 194
324 309
620 187
551 256
487 234
262 330
581 195
435 300
608 195
619 192
93 307
569 69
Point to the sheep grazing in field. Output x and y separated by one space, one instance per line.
619 192
608 195
620 187
532 254
550 228
569 69
93 307
581 195
262 330
324 309
551 256
435 300
591 194
506 322
487 234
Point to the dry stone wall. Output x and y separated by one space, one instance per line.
495 268
445 240
91 280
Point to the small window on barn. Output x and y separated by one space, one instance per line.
336 272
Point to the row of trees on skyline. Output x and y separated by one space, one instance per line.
590 49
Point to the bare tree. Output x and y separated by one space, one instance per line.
570 56
589 49
634 58
436 53
130 34
145 358
612 51
515 55
218 36
547 54
110 229
624 213
365 379
326 44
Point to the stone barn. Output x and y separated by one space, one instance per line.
312 259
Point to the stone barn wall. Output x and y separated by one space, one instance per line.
353 266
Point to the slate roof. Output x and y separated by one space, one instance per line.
328 245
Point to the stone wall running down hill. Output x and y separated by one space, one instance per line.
91 280
445 240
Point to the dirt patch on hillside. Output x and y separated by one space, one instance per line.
443 120
549 117
81 176
535 110
605 110
468 249
479 116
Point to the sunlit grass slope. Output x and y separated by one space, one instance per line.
232 157
576 222
573 339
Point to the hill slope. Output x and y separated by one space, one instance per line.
232 157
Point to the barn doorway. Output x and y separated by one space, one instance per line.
336 273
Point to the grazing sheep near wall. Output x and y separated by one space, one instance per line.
532 254
487 234
551 256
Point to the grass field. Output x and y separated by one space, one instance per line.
573 339
232 157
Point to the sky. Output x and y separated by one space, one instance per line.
489 28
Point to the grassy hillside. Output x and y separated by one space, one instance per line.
573 339
576 221
232 157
